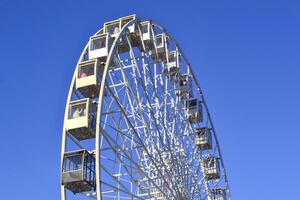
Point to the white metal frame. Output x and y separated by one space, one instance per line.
100 52
143 140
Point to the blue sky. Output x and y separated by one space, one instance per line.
246 55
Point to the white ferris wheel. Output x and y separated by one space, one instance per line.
136 123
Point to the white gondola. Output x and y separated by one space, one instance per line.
146 35
185 86
173 66
217 194
160 43
125 20
99 46
146 31
134 33
81 122
194 110
160 51
203 138
211 168
78 173
88 78
112 28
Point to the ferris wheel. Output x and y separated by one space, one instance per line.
136 123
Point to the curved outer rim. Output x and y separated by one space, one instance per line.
64 134
97 138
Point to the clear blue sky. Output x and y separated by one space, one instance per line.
246 55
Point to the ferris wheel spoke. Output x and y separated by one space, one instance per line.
145 149
131 195
121 156
167 112
140 170
148 101
115 179
140 78
136 83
